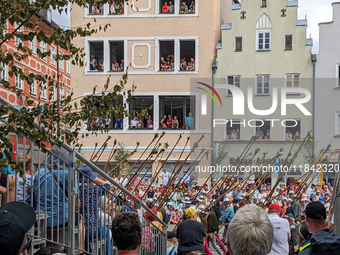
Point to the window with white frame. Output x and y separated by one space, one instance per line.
43 90
138 104
52 50
68 66
187 55
116 57
233 130
234 80
166 53
187 6
115 8
292 129
262 129
61 61
33 87
263 40
96 55
19 83
61 93
3 29
20 30
292 80
68 93
167 7
42 49
3 71
262 84
33 45
96 9
53 93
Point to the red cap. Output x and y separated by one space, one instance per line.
274 207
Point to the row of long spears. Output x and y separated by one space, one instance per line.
224 184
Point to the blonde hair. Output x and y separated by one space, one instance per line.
21 160
171 242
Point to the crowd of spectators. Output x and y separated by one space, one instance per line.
116 7
167 64
99 66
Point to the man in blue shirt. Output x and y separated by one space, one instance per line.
226 217
189 122
119 123
259 131
237 192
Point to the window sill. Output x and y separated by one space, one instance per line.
288 49
238 51
262 95
337 88
337 136
263 6
293 94
263 50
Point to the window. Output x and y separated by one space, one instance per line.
19 83
233 130
292 80
292 129
53 95
3 29
33 46
33 87
263 40
116 56
43 90
68 66
96 56
61 61
137 104
43 49
187 55
3 71
96 9
166 6
52 50
337 120
262 85
187 6
166 53
288 42
68 93
238 43
178 108
262 129
263 3
116 7
61 93
338 78
234 80
20 30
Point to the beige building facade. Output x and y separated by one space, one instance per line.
265 54
151 40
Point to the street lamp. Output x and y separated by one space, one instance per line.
214 66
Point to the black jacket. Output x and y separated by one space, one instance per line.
323 242
212 222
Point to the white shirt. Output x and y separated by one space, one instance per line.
309 191
289 136
281 234
125 181
233 136
165 177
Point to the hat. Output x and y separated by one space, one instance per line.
303 199
291 192
214 180
235 201
171 234
315 210
200 198
274 207
290 215
16 219
200 208
190 212
262 200
303 231
86 170
226 201
187 200
149 201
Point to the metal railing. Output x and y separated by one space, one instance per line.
73 211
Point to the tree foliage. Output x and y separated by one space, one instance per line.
70 111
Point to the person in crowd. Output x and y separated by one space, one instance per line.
94 9
281 228
267 136
149 203
134 123
93 65
149 122
24 187
183 9
190 233
226 217
297 135
115 66
192 60
171 246
127 233
100 9
212 230
321 240
49 251
16 219
89 197
107 122
259 132
189 66
165 8
175 123
99 123
121 65
191 10
165 175
101 66
112 9
189 121
233 135
163 122
169 122
119 123
171 7
164 64
183 65
250 232
289 135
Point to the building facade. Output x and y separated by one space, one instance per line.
265 54
327 87
163 45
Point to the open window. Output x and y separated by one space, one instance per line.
138 104
166 53
234 80
96 9
233 131
177 112
187 55
116 7
187 7
292 129
96 56
263 129
19 83
117 56
167 7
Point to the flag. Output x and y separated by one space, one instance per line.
277 166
